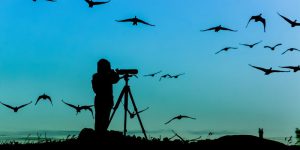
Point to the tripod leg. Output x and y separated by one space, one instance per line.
125 109
117 105
136 110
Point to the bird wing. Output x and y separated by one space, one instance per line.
24 105
213 28
141 21
279 71
286 19
263 21
257 43
48 97
245 44
38 99
277 45
259 68
249 21
126 20
73 106
188 117
219 51
141 110
90 109
288 67
222 28
99 3
170 120
268 47
284 52
7 105
88 1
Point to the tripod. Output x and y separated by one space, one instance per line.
125 92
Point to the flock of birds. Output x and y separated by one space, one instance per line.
45 97
135 21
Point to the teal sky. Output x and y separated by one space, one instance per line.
53 48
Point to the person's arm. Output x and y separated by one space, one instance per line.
114 77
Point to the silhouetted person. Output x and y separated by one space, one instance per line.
251 45
44 97
272 48
179 118
219 28
15 109
92 3
267 71
293 23
258 18
79 108
261 133
135 21
102 86
225 49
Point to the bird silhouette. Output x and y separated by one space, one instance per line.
258 18
272 48
267 71
51 0
293 23
133 114
91 3
44 97
16 109
294 68
225 49
251 45
219 28
290 49
176 76
78 108
152 74
165 76
135 21
179 118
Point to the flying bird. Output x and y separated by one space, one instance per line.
16 109
272 48
92 3
290 49
165 76
251 45
219 28
44 97
294 68
176 76
135 21
293 23
133 114
267 71
225 49
179 118
79 108
258 18
152 74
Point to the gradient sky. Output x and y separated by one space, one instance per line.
54 48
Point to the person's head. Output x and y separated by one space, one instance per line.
103 66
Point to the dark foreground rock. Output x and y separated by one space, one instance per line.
88 139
